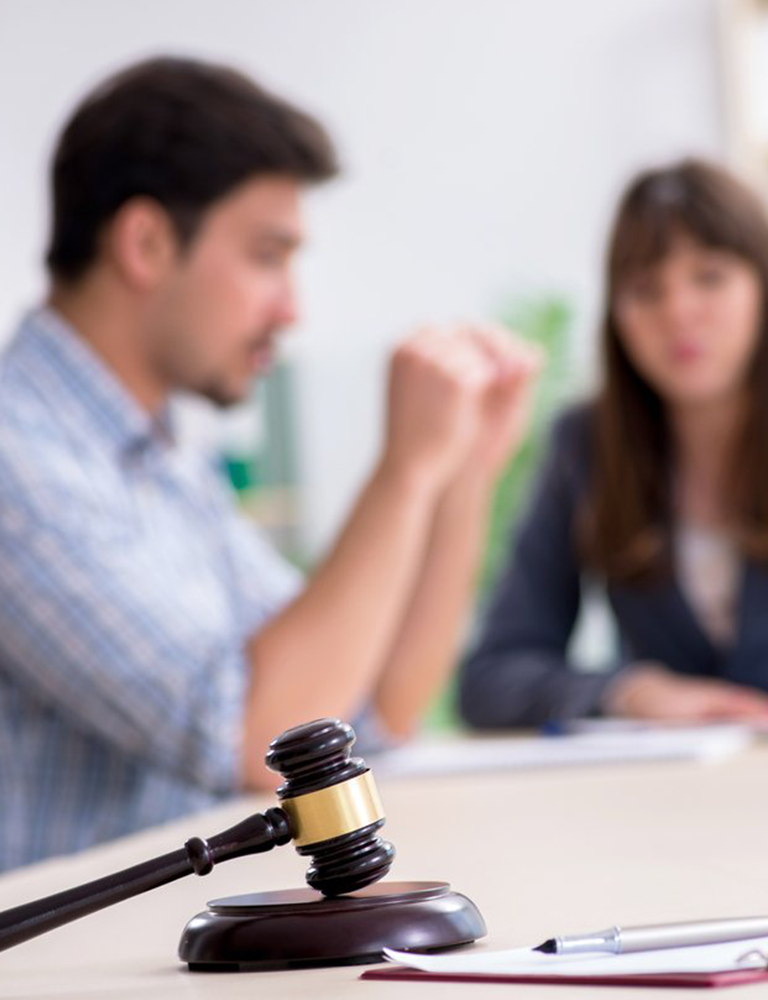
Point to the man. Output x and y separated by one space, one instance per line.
151 643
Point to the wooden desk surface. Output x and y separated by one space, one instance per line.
540 852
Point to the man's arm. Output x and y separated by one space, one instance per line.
425 647
324 653
321 655
430 630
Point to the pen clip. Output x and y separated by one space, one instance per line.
751 955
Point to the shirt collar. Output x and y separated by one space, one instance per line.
94 386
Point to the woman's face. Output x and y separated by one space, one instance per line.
690 324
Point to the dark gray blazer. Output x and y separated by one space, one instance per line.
518 674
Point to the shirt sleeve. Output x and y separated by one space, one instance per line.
89 627
518 674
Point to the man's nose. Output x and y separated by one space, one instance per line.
287 305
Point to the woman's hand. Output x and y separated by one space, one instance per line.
650 691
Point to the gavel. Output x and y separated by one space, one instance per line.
329 807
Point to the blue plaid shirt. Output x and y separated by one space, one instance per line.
129 586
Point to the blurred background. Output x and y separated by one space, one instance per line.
484 146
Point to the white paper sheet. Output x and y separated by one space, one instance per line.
466 755
733 955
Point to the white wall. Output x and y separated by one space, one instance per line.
485 142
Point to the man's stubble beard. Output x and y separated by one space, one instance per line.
217 389
222 398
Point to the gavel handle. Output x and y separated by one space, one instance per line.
257 833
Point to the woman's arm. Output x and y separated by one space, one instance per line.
518 673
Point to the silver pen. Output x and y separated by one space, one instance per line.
649 938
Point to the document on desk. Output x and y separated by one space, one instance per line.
614 724
471 754
732 956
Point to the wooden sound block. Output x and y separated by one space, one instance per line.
296 928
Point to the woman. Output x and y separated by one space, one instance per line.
658 487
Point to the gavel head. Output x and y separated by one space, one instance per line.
333 806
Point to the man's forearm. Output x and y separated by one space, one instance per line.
453 403
321 655
424 648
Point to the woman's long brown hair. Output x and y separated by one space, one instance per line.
625 520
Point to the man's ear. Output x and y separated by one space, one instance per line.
140 243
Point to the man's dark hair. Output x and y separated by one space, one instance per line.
180 131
